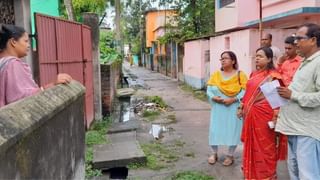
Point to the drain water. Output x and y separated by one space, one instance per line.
118 173
124 109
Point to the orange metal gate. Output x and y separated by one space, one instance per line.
65 47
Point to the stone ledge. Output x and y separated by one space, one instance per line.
122 150
20 118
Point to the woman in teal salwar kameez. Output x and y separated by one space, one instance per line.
225 89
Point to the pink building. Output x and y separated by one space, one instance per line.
238 20
196 62
237 23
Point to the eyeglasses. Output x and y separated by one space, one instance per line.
299 38
224 58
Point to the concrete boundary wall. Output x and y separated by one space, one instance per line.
43 136
110 78
195 65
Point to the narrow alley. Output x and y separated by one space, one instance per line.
153 89
191 128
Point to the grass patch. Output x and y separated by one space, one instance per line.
199 94
95 135
90 171
179 143
150 115
191 175
158 155
102 125
135 178
157 100
190 154
172 118
136 165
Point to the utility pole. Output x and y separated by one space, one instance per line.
165 17
118 28
260 19
141 35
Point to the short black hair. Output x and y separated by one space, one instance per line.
313 31
268 35
8 31
269 53
289 40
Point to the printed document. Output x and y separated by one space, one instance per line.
269 89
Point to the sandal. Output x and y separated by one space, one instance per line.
213 159
228 161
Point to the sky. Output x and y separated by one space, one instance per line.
110 14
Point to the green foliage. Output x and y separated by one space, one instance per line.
89 154
96 6
150 115
156 99
172 118
179 143
190 154
136 165
90 171
81 6
102 125
191 175
97 132
196 19
136 46
147 113
132 24
108 52
199 94
158 156
96 135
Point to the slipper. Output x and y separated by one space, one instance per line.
228 161
213 159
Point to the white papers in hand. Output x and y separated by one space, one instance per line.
269 89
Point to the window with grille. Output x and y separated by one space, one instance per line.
207 56
227 43
224 3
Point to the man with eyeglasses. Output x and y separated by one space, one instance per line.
289 62
300 118
266 41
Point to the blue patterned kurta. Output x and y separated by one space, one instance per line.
225 126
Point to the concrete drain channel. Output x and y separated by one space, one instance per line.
123 147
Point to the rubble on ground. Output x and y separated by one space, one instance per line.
143 106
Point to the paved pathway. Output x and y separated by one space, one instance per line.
192 128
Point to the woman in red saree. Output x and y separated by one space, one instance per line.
262 145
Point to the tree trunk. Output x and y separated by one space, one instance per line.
194 18
69 9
